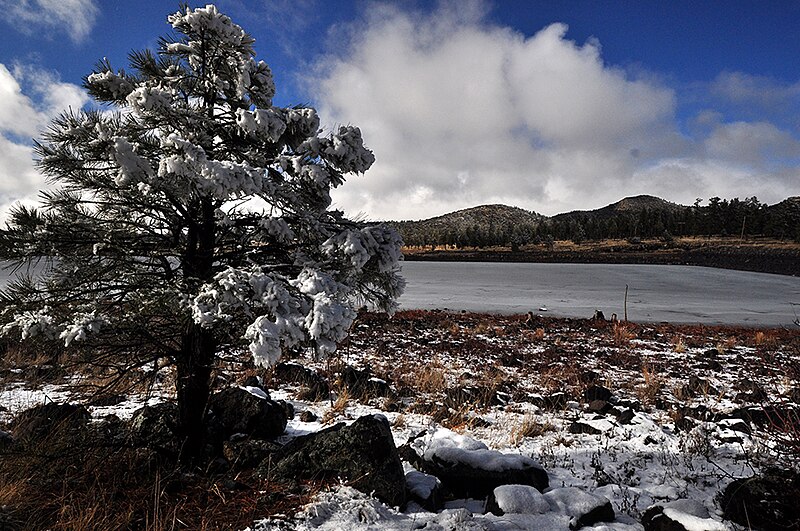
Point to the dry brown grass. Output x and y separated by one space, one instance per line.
653 383
338 407
530 426
622 333
678 345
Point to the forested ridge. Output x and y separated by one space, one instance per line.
630 218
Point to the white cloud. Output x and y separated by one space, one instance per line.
75 17
747 89
460 112
29 99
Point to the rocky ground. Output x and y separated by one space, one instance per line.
435 420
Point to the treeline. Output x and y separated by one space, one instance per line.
720 217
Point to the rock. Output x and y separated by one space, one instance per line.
582 507
457 397
6 440
308 416
623 414
254 381
599 406
738 425
288 408
316 386
596 392
362 385
424 489
766 501
363 454
468 469
244 410
516 499
680 515
594 426
554 401
589 377
47 420
697 386
248 453
155 427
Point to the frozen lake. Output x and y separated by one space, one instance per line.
680 294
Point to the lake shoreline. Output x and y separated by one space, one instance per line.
740 258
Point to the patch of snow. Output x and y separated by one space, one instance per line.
572 501
694 523
521 499
255 391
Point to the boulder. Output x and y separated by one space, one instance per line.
599 406
361 384
6 440
680 515
583 508
468 469
424 489
516 499
554 401
155 427
362 453
591 426
244 453
457 397
596 392
308 416
765 501
44 421
246 410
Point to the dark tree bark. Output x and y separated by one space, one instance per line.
198 345
194 366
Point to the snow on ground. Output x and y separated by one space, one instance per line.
432 362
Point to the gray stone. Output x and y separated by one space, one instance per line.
236 410
363 454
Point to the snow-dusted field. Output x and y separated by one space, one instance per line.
521 389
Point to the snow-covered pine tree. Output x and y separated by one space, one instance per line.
193 214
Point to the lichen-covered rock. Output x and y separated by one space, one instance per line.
766 501
363 454
155 427
40 422
245 410
247 453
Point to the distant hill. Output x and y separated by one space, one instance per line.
641 216
628 205
485 222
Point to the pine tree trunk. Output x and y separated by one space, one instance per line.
198 345
194 386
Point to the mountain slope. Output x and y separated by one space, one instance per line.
628 205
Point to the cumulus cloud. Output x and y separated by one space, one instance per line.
461 112
29 99
75 17
743 88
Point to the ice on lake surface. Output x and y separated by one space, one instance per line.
679 294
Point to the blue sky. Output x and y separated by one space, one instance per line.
549 105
